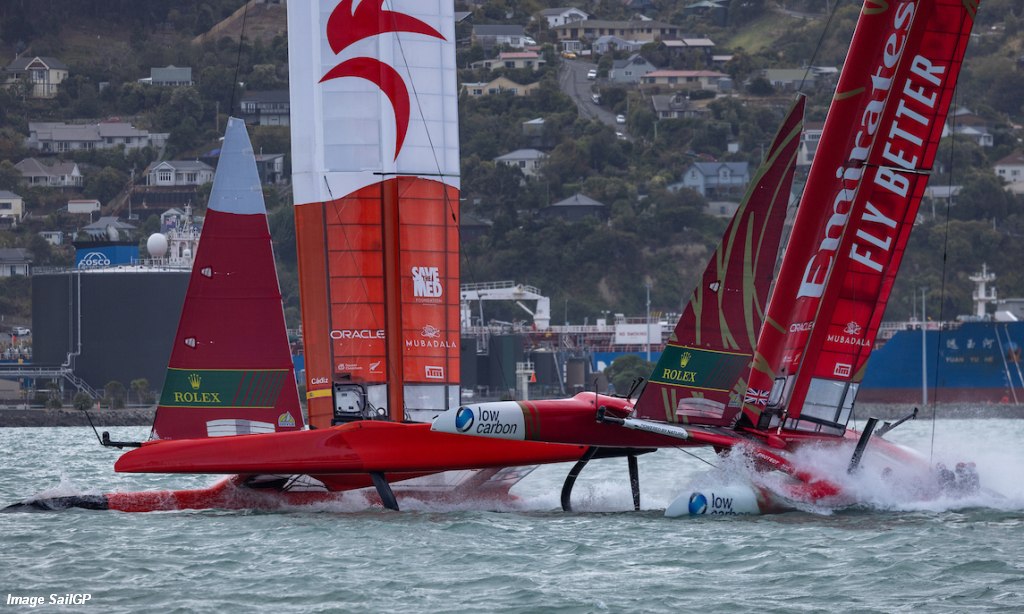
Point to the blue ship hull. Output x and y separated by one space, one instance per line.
978 362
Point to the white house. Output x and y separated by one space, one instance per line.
267 108
630 70
15 261
179 173
59 136
43 74
809 140
50 174
527 160
174 76
716 180
512 59
562 15
83 205
1011 170
686 79
489 36
12 207
53 237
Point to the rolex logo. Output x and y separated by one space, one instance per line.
684 360
194 380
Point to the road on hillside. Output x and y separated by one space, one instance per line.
572 80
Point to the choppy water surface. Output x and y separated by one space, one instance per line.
943 556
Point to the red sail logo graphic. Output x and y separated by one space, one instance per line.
349 24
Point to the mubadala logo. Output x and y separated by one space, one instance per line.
430 331
852 328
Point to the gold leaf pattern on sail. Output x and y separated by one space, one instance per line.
849 94
874 7
971 6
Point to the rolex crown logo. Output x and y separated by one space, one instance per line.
684 359
194 380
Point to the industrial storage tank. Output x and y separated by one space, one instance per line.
120 322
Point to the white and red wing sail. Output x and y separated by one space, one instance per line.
230 370
869 172
701 375
376 177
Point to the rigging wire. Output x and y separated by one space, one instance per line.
817 48
942 285
238 59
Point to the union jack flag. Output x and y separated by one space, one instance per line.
756 397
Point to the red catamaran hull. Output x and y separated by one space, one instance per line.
358 447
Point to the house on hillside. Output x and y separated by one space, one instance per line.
494 35
527 160
635 30
270 168
15 261
43 75
109 228
50 173
575 208
716 180
562 15
790 79
1011 170
609 43
676 106
86 206
704 47
266 108
512 59
170 76
179 173
630 70
498 86
809 140
57 137
12 208
687 79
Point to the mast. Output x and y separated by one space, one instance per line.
375 166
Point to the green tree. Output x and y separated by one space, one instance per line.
626 369
82 401
140 388
114 394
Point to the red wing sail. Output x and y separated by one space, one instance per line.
890 103
701 374
231 369
882 215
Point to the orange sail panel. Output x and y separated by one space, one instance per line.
701 376
230 370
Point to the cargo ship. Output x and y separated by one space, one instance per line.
974 359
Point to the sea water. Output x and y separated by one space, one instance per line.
946 555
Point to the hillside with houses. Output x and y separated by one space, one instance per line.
604 143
